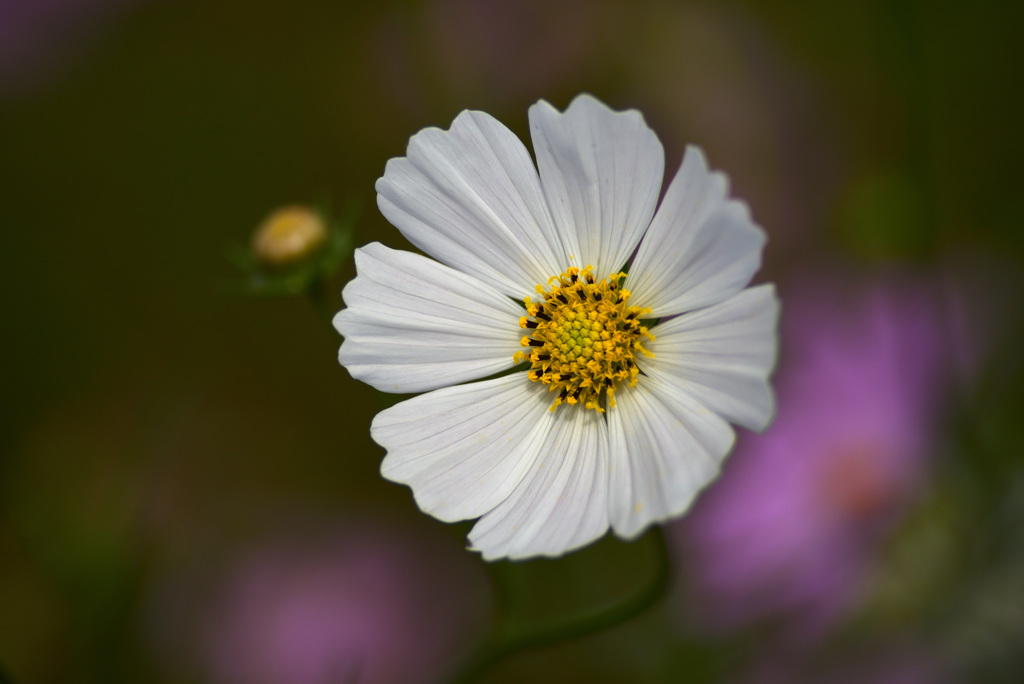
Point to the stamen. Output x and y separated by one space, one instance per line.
586 338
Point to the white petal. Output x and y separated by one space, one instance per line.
722 355
701 248
562 503
602 172
470 197
664 449
464 449
413 324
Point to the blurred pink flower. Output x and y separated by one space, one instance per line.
789 531
36 34
470 49
363 606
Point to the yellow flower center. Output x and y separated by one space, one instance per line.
584 338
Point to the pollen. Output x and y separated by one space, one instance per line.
584 337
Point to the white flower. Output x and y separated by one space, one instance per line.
612 422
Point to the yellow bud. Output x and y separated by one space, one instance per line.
288 236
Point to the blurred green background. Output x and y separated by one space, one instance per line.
165 440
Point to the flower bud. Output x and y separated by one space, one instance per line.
288 236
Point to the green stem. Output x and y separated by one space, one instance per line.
507 639
317 296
